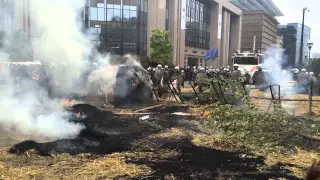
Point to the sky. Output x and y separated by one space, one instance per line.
292 10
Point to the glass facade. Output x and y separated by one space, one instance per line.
292 42
117 26
198 24
7 16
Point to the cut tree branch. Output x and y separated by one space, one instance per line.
308 137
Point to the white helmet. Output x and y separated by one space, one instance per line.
194 67
236 65
177 68
182 70
159 66
311 73
201 68
166 66
303 70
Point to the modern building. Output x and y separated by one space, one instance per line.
279 42
261 25
118 26
124 26
7 16
196 26
258 20
292 42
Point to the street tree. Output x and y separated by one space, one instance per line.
315 65
161 47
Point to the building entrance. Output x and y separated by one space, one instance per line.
193 61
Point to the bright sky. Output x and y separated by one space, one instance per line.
292 10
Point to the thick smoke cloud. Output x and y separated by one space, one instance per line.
26 106
273 62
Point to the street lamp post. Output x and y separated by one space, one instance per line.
302 34
310 44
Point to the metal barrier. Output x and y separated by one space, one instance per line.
218 93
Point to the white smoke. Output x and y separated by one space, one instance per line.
273 62
61 38
57 38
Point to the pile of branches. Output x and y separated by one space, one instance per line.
249 127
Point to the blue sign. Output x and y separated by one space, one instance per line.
211 54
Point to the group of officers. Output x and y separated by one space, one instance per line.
261 78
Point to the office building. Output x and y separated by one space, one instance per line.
292 42
258 20
124 26
7 16
196 26
118 26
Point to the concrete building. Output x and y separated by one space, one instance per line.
292 42
279 42
258 20
124 26
261 25
7 16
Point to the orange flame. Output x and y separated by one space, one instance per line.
67 102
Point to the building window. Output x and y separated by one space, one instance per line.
167 14
118 26
198 24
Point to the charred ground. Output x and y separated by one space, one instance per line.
161 147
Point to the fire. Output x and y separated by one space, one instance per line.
67 102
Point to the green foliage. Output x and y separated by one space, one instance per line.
253 129
145 61
161 47
315 66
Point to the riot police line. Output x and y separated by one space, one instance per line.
304 82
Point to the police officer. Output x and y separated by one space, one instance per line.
247 78
158 76
176 77
193 73
183 78
166 74
258 78
295 73
303 80
236 73
199 76
188 74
